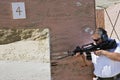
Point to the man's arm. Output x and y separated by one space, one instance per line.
112 55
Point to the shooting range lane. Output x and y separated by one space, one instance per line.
70 68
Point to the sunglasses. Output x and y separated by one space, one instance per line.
96 39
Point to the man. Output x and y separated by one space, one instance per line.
106 62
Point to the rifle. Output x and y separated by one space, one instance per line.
91 47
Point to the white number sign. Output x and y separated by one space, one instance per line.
18 9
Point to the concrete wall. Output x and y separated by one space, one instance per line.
30 45
66 19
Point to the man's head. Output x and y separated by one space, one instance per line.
100 35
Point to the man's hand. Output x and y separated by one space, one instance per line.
99 52
77 54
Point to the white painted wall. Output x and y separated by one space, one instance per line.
113 12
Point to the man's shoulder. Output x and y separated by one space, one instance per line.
117 41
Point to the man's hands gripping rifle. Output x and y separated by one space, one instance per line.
88 48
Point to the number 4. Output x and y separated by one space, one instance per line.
18 10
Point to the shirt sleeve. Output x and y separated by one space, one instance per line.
118 48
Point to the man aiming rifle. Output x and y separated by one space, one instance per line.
105 57
91 47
